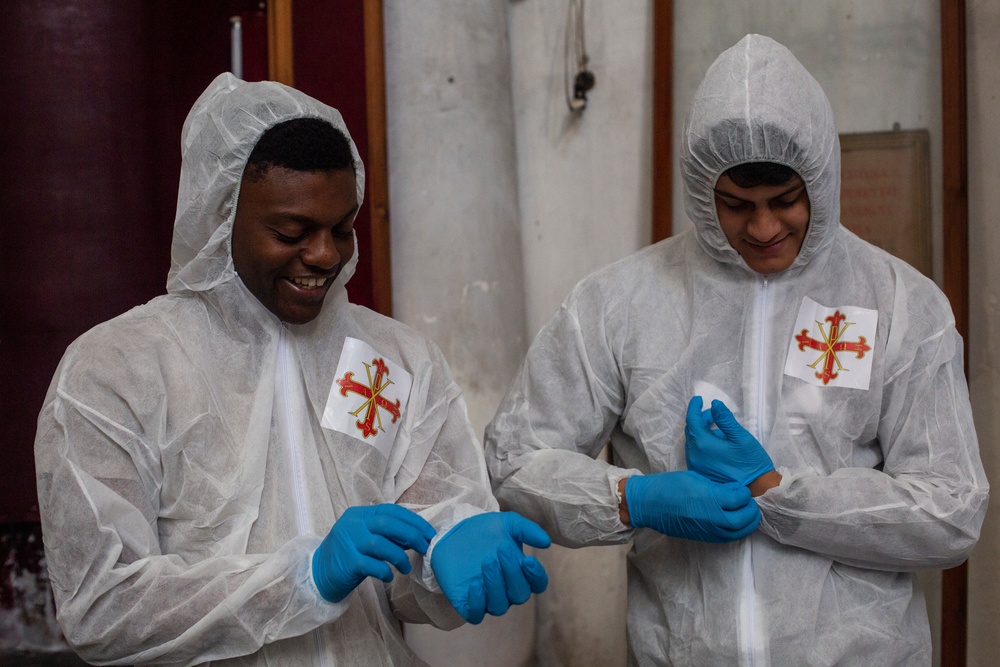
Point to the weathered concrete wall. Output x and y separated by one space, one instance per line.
456 246
584 179
584 185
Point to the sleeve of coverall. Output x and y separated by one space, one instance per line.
542 446
443 478
925 507
119 599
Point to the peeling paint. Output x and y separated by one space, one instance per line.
482 285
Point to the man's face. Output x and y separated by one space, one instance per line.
766 223
293 233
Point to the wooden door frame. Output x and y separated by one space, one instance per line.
955 231
955 249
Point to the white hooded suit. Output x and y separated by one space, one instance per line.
186 472
880 463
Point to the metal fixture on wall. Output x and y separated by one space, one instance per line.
578 84
236 46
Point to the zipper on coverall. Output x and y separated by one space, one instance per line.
753 642
291 405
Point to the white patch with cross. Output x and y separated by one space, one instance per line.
832 347
368 396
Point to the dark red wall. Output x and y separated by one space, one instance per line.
93 94
92 98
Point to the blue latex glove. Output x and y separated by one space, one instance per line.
729 454
362 543
481 568
685 504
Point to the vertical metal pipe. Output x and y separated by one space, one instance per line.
236 46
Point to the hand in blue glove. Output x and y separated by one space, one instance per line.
363 542
481 568
729 454
685 504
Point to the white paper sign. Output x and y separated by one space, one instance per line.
832 347
368 396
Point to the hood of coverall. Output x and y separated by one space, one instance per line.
757 103
219 134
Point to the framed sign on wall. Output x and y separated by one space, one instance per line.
885 192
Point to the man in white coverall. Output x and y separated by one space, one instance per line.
842 363
227 473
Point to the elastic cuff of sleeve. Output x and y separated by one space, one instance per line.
311 580
616 490
430 552
426 575
615 476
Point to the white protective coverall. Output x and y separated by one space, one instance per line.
878 481
184 477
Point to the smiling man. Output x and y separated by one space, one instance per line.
294 227
763 210
769 353
250 469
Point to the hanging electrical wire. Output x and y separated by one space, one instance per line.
578 78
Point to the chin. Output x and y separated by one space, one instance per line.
300 318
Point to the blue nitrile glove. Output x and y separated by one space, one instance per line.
685 504
363 542
481 568
729 454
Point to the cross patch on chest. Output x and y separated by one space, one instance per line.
368 396
832 346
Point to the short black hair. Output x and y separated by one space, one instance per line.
752 174
302 144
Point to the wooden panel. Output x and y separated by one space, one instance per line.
280 59
955 247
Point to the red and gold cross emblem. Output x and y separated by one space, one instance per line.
831 345
372 393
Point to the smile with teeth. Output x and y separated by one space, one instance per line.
309 283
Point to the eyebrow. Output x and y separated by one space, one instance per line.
797 186
306 220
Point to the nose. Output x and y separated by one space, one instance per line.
320 252
763 224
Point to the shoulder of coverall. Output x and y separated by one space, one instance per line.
757 103
219 134
408 346
118 343
608 294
